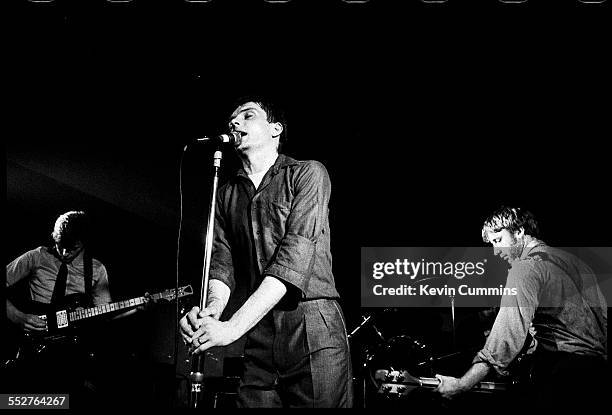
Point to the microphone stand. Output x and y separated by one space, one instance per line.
196 376
452 301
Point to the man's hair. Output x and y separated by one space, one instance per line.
511 219
70 228
274 113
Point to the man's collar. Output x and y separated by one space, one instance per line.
77 260
532 247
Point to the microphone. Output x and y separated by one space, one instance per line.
230 138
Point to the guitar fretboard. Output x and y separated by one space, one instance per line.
106 308
121 305
400 382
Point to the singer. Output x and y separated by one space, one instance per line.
272 234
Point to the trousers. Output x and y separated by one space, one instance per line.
298 358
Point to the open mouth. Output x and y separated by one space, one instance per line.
242 134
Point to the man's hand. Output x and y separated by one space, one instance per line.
193 320
26 322
148 303
449 386
29 322
213 333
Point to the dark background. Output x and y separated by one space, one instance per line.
427 117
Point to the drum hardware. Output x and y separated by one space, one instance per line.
367 320
409 357
361 325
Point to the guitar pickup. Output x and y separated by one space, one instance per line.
62 319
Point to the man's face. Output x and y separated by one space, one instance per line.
251 121
69 253
507 245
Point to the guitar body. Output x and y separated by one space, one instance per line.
61 333
58 316
399 387
66 322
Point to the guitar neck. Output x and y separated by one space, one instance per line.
399 382
429 381
106 308
125 304
479 386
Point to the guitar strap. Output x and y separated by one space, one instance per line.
88 274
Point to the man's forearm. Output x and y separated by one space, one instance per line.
474 375
218 296
12 313
267 295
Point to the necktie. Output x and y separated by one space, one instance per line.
59 291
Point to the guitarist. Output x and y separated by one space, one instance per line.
51 273
559 296
41 266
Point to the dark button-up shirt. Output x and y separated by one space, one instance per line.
280 229
558 295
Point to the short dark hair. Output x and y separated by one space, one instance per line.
511 219
70 228
274 112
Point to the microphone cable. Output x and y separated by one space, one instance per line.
178 252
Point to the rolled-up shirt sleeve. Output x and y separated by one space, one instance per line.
512 323
21 267
294 257
221 266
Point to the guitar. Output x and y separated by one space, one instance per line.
61 319
400 383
